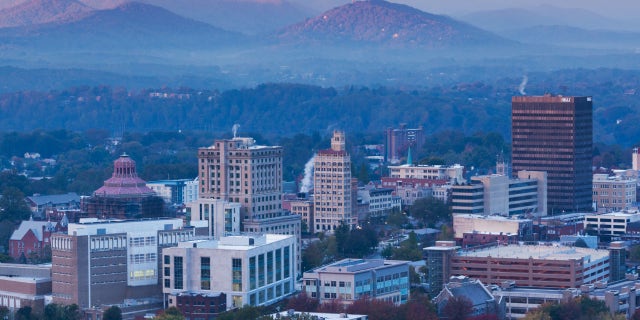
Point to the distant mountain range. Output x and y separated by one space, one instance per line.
517 18
43 11
137 27
385 23
131 25
576 37
255 41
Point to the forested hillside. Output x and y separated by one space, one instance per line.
285 109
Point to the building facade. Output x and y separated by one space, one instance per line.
304 208
333 203
177 191
250 270
214 217
23 285
380 201
102 262
436 173
608 225
398 141
351 279
613 193
473 223
500 195
554 134
438 261
40 203
239 170
32 239
533 266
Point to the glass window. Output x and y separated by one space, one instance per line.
205 273
236 274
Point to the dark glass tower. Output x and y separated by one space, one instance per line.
555 134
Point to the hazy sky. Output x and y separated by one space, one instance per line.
613 8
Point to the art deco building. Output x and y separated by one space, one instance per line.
332 186
239 170
554 134
124 195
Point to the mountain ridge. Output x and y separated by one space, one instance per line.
34 12
386 23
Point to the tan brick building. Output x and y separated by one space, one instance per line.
332 186
239 170
613 193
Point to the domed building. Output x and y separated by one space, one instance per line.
124 195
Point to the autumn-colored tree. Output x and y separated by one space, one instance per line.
375 309
302 302
457 308
332 306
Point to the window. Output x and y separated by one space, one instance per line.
261 270
287 263
252 273
177 273
270 268
205 273
236 274
278 265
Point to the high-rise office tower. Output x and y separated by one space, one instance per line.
332 186
554 134
238 170
398 141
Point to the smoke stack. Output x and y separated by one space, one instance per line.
307 181
523 84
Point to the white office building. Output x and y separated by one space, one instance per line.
250 269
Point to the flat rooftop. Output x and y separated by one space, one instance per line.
357 265
552 252
491 217
236 242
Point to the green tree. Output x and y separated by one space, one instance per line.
431 211
113 313
72 312
25 313
4 312
363 173
397 219
342 237
171 313
408 249
12 205
313 255
387 252
246 312
580 308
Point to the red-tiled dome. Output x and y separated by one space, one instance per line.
124 181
